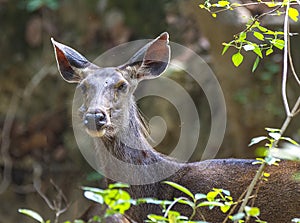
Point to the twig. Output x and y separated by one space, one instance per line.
55 205
9 119
263 165
291 63
285 60
36 79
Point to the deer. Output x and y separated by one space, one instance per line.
111 118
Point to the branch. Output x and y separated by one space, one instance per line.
285 60
9 119
263 165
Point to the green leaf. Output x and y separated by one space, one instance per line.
256 62
210 203
186 202
278 43
225 208
237 216
257 50
259 36
181 188
257 140
237 59
156 218
226 46
252 211
200 196
212 195
78 221
153 201
223 3
272 130
118 185
265 174
242 36
32 214
293 14
269 51
290 140
261 28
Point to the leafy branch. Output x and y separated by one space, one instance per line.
266 41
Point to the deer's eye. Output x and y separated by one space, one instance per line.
122 86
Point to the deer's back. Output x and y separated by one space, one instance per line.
278 198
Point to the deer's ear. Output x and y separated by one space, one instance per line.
71 65
151 60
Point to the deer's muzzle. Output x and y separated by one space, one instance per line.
95 123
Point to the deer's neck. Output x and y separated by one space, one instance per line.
129 158
130 144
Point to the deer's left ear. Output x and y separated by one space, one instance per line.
151 60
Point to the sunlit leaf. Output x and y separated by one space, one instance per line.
272 129
257 51
259 36
242 36
225 208
199 196
226 46
118 185
279 43
237 216
32 214
210 203
275 135
248 47
93 196
256 62
223 3
257 140
237 59
252 211
271 4
293 14
214 15
290 140
181 188
269 51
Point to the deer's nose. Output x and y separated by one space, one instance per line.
95 120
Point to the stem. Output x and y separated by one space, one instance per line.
285 60
263 165
5 143
292 64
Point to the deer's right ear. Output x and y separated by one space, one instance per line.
71 64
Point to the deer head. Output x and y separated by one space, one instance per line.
108 91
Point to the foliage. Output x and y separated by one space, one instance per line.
118 201
265 39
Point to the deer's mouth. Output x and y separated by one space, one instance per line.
96 133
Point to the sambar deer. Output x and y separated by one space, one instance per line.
110 116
